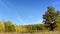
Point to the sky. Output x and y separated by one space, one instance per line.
25 12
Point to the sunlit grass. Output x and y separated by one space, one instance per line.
43 32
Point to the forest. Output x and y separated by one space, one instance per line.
51 22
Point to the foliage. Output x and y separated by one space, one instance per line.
50 18
10 27
2 27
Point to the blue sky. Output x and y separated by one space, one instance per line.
24 12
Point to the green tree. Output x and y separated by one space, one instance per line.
58 20
9 26
50 18
2 26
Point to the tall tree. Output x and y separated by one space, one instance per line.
50 18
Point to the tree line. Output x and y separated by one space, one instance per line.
10 27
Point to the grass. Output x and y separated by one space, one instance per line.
44 32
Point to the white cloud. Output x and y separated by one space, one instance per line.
21 21
39 21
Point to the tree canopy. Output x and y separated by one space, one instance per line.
50 18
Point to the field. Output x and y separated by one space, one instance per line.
46 32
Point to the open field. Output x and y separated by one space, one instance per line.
46 32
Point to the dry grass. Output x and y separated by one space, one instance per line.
48 32
44 32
